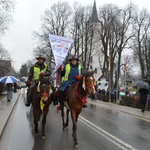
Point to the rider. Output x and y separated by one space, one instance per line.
38 69
70 73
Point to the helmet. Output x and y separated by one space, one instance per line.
41 57
73 58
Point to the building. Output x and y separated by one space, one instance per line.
97 59
6 68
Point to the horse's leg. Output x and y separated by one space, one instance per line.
45 112
63 118
74 128
67 119
36 117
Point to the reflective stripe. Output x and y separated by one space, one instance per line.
67 71
37 72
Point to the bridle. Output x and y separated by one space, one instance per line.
85 89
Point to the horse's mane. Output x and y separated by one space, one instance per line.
45 80
89 73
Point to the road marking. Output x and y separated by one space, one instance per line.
118 142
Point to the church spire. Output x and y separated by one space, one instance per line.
94 13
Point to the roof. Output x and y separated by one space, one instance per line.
103 76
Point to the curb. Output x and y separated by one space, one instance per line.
6 111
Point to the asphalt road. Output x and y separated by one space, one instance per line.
100 126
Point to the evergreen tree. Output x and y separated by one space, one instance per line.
23 71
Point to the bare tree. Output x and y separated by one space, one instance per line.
109 16
141 30
6 8
5 61
54 21
83 28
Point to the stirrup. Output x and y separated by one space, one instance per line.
27 103
66 105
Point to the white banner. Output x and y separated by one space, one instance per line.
60 47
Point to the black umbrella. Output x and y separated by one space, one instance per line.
142 85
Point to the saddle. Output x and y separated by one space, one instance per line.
66 96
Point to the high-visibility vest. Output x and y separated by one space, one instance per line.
37 71
67 71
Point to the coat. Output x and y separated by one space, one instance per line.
71 77
143 95
31 72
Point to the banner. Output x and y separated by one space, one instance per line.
60 47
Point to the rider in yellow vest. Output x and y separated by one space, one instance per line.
38 69
71 70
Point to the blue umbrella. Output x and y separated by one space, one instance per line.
8 79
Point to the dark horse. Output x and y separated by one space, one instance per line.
75 95
41 100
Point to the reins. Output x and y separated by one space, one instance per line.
77 93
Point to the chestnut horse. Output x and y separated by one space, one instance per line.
75 96
41 100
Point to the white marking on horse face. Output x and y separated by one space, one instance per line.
91 78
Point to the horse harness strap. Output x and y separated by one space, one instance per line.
80 97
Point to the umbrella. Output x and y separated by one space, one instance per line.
142 85
122 93
8 79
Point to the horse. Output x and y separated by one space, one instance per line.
75 98
41 100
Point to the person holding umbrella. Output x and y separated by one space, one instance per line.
143 98
9 81
144 91
10 88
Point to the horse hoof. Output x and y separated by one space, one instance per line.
76 146
35 133
43 137
65 128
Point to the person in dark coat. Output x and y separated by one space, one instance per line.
143 98
15 87
10 88
68 74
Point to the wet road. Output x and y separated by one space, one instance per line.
98 129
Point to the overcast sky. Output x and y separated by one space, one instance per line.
27 14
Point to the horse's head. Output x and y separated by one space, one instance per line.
44 89
89 82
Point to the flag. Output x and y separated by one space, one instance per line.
60 47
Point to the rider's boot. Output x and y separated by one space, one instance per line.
61 97
28 102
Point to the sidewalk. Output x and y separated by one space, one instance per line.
130 110
6 109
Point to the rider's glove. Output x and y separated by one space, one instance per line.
41 74
78 77
28 83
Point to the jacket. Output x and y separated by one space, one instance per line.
33 74
69 75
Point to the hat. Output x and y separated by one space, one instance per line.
73 58
41 57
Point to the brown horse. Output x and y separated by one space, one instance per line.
75 96
41 100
